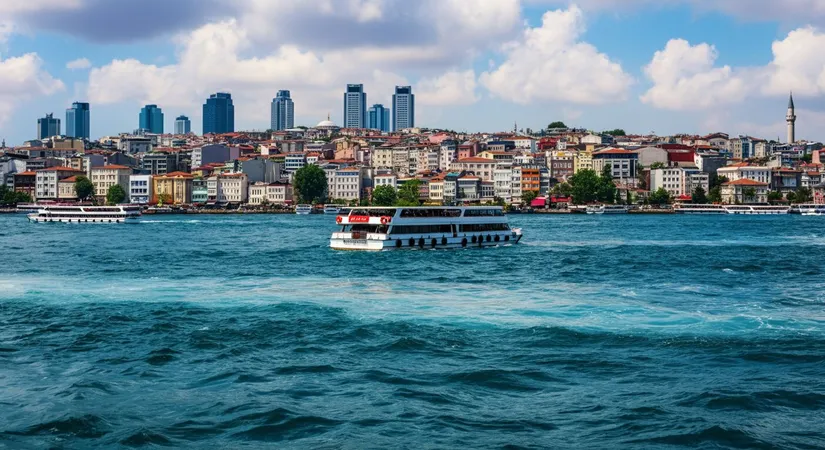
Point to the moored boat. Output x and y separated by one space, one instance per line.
332 209
423 227
86 214
757 209
607 209
809 209
303 209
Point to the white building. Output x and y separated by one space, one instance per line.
345 184
46 181
385 180
741 171
503 182
271 193
481 167
294 161
227 188
678 181
140 189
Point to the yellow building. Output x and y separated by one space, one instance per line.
583 160
175 187
107 176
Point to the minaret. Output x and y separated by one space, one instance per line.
791 119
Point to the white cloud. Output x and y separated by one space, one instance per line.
798 64
451 88
79 64
10 7
23 78
684 78
550 63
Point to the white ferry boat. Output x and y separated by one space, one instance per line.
303 209
423 227
86 214
689 208
607 209
331 209
757 209
809 209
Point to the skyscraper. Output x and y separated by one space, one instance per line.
379 118
219 114
355 106
48 126
182 125
151 119
283 112
403 108
791 119
77 121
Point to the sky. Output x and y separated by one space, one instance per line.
662 66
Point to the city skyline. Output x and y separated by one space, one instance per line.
463 75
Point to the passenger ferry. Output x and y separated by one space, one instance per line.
607 209
809 209
689 208
303 209
331 209
380 228
86 214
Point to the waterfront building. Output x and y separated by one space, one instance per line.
379 118
790 118
25 182
66 191
345 184
386 179
622 163
739 191
679 181
277 193
219 114
403 108
48 126
282 115
227 188
182 125
151 119
78 121
355 106
140 189
175 187
104 177
200 193
744 170
46 181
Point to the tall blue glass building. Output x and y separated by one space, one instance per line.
47 127
379 118
355 106
403 108
282 116
151 119
77 121
219 114
183 125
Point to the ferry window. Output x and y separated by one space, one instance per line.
422 229
425 213
482 227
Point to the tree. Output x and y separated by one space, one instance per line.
717 180
8 197
607 189
640 176
749 194
409 194
660 197
657 165
584 186
562 189
557 124
699 196
791 197
165 199
527 197
83 188
715 195
774 196
616 132
384 195
310 184
804 195
115 195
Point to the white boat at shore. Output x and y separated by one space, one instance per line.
86 214
332 209
607 209
689 208
377 228
809 209
303 209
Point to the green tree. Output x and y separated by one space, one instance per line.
83 188
607 188
616 132
717 180
715 195
640 177
699 196
749 194
557 124
774 196
527 197
804 195
310 184
165 199
791 197
115 195
409 193
660 197
562 189
584 186
384 195
657 165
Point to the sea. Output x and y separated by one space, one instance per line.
621 331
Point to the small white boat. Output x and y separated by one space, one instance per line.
809 209
303 209
86 214
607 209
389 228
332 209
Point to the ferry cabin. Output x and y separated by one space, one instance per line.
423 227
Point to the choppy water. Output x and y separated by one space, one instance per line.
596 332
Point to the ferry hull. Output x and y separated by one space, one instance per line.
442 243
36 219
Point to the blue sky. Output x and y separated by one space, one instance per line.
669 66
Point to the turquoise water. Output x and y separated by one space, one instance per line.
247 331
